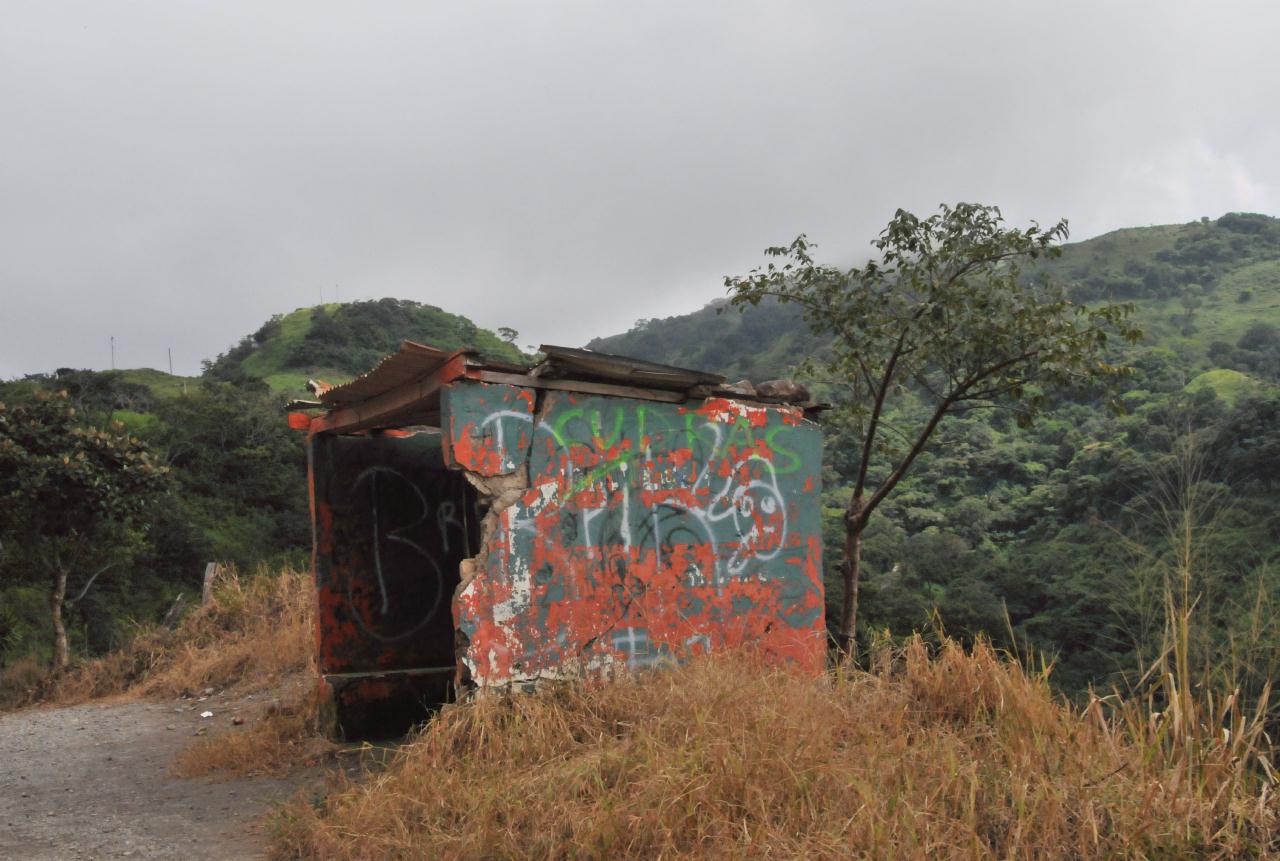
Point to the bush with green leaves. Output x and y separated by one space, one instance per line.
74 501
942 321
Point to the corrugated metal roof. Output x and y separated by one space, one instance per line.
413 362
410 363
404 388
570 363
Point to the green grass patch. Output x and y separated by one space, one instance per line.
295 382
162 385
1227 384
134 422
271 355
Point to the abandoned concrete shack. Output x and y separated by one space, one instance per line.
481 524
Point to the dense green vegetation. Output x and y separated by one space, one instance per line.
338 341
1056 536
75 501
235 489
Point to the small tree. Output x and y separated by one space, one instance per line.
941 322
71 499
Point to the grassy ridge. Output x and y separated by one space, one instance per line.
161 384
274 353
935 751
1232 278
1227 384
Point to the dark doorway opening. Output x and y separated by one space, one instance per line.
392 526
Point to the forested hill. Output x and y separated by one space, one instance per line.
338 341
1198 288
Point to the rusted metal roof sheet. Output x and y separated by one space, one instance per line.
412 362
404 388
415 362
567 362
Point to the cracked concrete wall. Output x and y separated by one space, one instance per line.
628 533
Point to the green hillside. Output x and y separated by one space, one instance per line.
336 342
1195 285
763 343
128 395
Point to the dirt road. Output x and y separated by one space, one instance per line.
91 781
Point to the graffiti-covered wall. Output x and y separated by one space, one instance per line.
642 532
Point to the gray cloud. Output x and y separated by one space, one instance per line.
173 173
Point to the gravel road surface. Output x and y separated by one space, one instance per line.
91 781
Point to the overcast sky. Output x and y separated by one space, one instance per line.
173 173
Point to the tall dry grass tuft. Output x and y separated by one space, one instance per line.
939 753
288 736
255 630
19 681
1203 703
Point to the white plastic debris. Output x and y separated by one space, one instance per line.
206 714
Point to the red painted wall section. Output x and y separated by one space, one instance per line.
650 532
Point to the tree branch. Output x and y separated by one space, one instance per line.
894 477
972 264
85 590
944 406
868 440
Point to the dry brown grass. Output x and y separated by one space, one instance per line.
255 631
274 743
19 682
933 754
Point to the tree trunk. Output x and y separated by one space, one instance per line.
853 526
61 650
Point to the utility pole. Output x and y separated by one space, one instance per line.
113 352
171 361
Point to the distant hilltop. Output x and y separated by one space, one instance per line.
338 341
